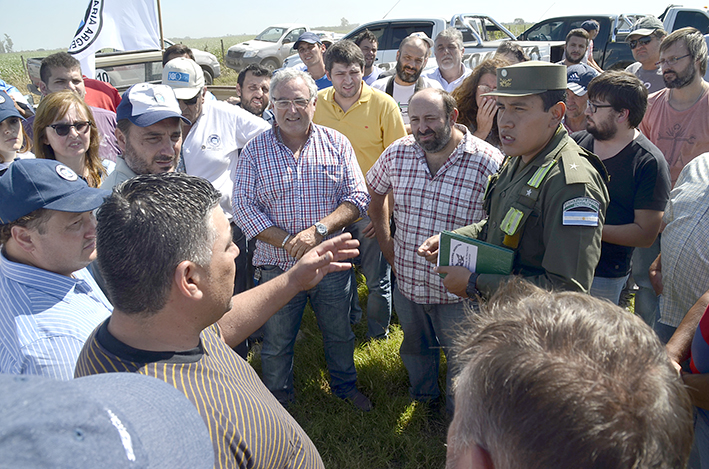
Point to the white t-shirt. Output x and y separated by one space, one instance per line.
403 93
18 156
211 149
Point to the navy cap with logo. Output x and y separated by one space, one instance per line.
7 107
111 420
310 38
31 184
145 104
578 76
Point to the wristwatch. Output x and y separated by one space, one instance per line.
320 228
472 289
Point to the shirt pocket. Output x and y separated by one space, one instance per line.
322 181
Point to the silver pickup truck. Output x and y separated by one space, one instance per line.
481 36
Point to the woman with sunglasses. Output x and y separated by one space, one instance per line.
14 143
478 112
64 130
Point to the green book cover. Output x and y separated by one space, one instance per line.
475 255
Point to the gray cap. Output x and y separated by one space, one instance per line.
645 26
528 78
112 420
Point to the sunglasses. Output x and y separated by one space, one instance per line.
643 41
63 129
191 101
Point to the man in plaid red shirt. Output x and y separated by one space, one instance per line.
296 185
438 176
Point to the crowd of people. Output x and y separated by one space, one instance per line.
161 233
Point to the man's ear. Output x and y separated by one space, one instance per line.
238 90
121 140
23 238
557 111
624 115
453 116
43 88
188 279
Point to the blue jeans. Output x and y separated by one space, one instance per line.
427 329
331 302
646 301
608 288
377 272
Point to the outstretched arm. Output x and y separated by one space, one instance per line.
252 308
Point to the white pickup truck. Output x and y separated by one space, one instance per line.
481 36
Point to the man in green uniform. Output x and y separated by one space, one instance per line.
548 201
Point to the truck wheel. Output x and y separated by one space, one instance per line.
270 64
208 80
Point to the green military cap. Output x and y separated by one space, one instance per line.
527 78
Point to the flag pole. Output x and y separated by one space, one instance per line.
162 38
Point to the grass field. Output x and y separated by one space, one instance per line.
396 434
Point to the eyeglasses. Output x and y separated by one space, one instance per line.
299 103
595 107
191 101
643 41
671 61
63 129
485 89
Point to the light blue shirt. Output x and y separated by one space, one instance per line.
45 318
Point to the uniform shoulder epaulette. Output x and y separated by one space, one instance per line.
575 162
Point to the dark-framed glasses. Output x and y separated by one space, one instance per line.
672 61
299 103
63 129
643 41
595 107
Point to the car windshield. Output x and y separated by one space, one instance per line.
271 34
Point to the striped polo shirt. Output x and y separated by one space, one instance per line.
248 427
45 318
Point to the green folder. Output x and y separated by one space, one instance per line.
477 256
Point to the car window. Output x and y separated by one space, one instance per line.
694 19
551 31
400 31
377 29
293 35
271 34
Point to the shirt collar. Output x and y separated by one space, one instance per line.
52 284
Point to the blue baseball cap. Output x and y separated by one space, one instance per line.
145 104
310 38
578 76
7 107
31 184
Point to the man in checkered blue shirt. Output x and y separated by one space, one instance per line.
296 185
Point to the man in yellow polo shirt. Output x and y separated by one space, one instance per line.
371 120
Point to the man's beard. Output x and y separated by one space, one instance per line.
437 144
405 76
574 61
255 110
681 79
602 133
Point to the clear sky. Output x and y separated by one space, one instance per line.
51 24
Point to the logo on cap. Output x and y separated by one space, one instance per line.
503 72
66 173
506 83
178 76
2 99
159 98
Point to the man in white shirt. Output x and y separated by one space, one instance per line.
212 141
448 49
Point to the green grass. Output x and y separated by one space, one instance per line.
397 433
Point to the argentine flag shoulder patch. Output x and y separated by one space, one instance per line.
581 211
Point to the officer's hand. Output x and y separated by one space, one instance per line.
429 249
456 280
